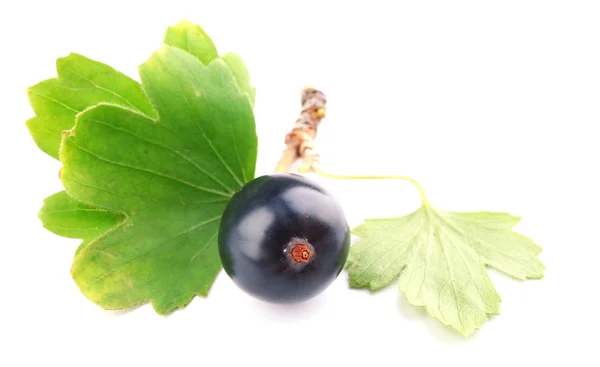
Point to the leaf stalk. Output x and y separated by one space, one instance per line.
424 200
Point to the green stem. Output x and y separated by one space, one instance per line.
378 177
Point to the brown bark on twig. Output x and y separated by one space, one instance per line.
300 142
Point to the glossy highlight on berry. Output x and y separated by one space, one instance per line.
283 238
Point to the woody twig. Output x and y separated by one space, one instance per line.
300 142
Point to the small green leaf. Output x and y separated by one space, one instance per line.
67 217
171 177
440 258
81 83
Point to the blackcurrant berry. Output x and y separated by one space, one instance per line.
283 238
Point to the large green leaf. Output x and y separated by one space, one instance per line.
171 177
83 83
440 258
67 217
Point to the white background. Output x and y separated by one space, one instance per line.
490 105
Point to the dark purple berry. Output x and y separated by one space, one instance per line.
283 238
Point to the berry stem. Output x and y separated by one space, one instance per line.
300 140
424 200
300 143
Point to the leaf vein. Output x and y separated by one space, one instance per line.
464 234
208 141
76 210
155 248
104 89
467 266
58 103
189 160
393 246
175 179
451 281
146 199
425 261
203 248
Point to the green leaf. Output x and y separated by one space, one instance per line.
171 177
81 83
192 38
440 258
67 217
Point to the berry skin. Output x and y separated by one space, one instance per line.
283 238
